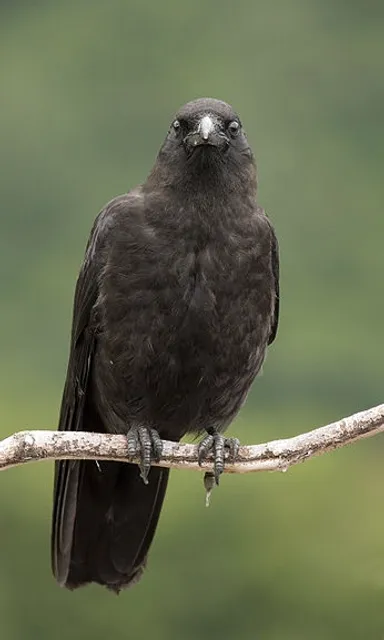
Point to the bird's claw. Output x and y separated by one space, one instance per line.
144 443
216 444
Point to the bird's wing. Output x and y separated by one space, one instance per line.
275 273
87 546
83 341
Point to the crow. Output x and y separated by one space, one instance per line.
175 305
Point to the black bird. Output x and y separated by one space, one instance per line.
175 304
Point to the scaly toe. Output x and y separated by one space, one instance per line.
157 445
217 445
205 447
133 443
145 444
233 445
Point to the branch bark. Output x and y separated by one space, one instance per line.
277 455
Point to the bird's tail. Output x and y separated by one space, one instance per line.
104 523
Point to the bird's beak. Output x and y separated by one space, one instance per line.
206 129
208 132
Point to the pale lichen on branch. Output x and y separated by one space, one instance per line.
276 455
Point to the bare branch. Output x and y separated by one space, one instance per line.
277 455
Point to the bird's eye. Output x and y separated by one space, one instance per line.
234 128
176 125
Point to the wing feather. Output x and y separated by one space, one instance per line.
275 272
83 342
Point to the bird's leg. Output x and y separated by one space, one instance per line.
216 444
144 443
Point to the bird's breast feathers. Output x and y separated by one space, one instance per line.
166 296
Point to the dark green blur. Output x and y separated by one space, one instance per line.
88 89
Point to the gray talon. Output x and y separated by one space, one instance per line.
157 445
217 444
204 448
146 444
234 445
132 442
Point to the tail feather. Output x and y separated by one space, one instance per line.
113 518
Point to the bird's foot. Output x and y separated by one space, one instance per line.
145 444
216 444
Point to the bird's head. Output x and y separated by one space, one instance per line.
207 125
205 140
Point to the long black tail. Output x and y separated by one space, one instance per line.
104 521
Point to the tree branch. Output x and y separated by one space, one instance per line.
277 455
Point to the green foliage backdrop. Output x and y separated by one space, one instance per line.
88 90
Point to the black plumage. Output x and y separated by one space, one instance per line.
175 304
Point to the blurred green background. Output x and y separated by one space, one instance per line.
88 89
